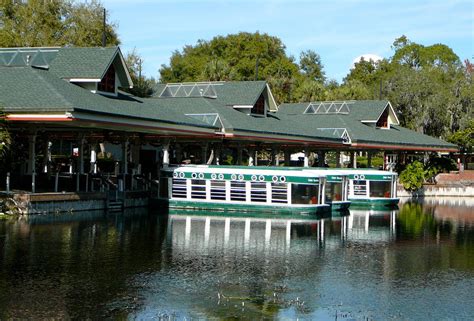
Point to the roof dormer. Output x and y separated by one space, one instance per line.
96 69
387 118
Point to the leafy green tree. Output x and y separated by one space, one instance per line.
311 66
464 138
310 90
352 90
142 86
242 56
413 176
37 23
5 139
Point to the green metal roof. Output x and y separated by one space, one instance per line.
31 82
68 63
359 132
82 62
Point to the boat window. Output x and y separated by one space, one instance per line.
164 187
279 193
360 187
179 188
237 191
380 189
198 188
258 191
333 191
304 194
218 190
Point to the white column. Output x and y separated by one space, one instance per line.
93 158
306 158
354 159
166 155
251 157
275 152
46 156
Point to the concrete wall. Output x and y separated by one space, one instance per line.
50 203
438 191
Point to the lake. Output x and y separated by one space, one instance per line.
413 263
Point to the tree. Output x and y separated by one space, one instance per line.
37 23
311 66
413 176
464 138
242 56
5 139
142 86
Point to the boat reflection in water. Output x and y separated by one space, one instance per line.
260 231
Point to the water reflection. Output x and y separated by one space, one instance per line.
413 263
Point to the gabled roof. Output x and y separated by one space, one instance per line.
32 90
361 133
70 63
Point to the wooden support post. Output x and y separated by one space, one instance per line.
31 154
239 154
369 159
287 157
321 158
338 159
275 152
32 160
81 154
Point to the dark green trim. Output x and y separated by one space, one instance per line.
232 207
236 177
340 205
370 202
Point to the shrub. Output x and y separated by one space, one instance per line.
413 176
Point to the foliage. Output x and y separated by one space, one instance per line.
413 176
441 165
414 221
428 86
142 86
311 66
464 138
5 139
37 23
242 56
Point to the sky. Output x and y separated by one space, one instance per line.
339 31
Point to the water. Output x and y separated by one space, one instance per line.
416 263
